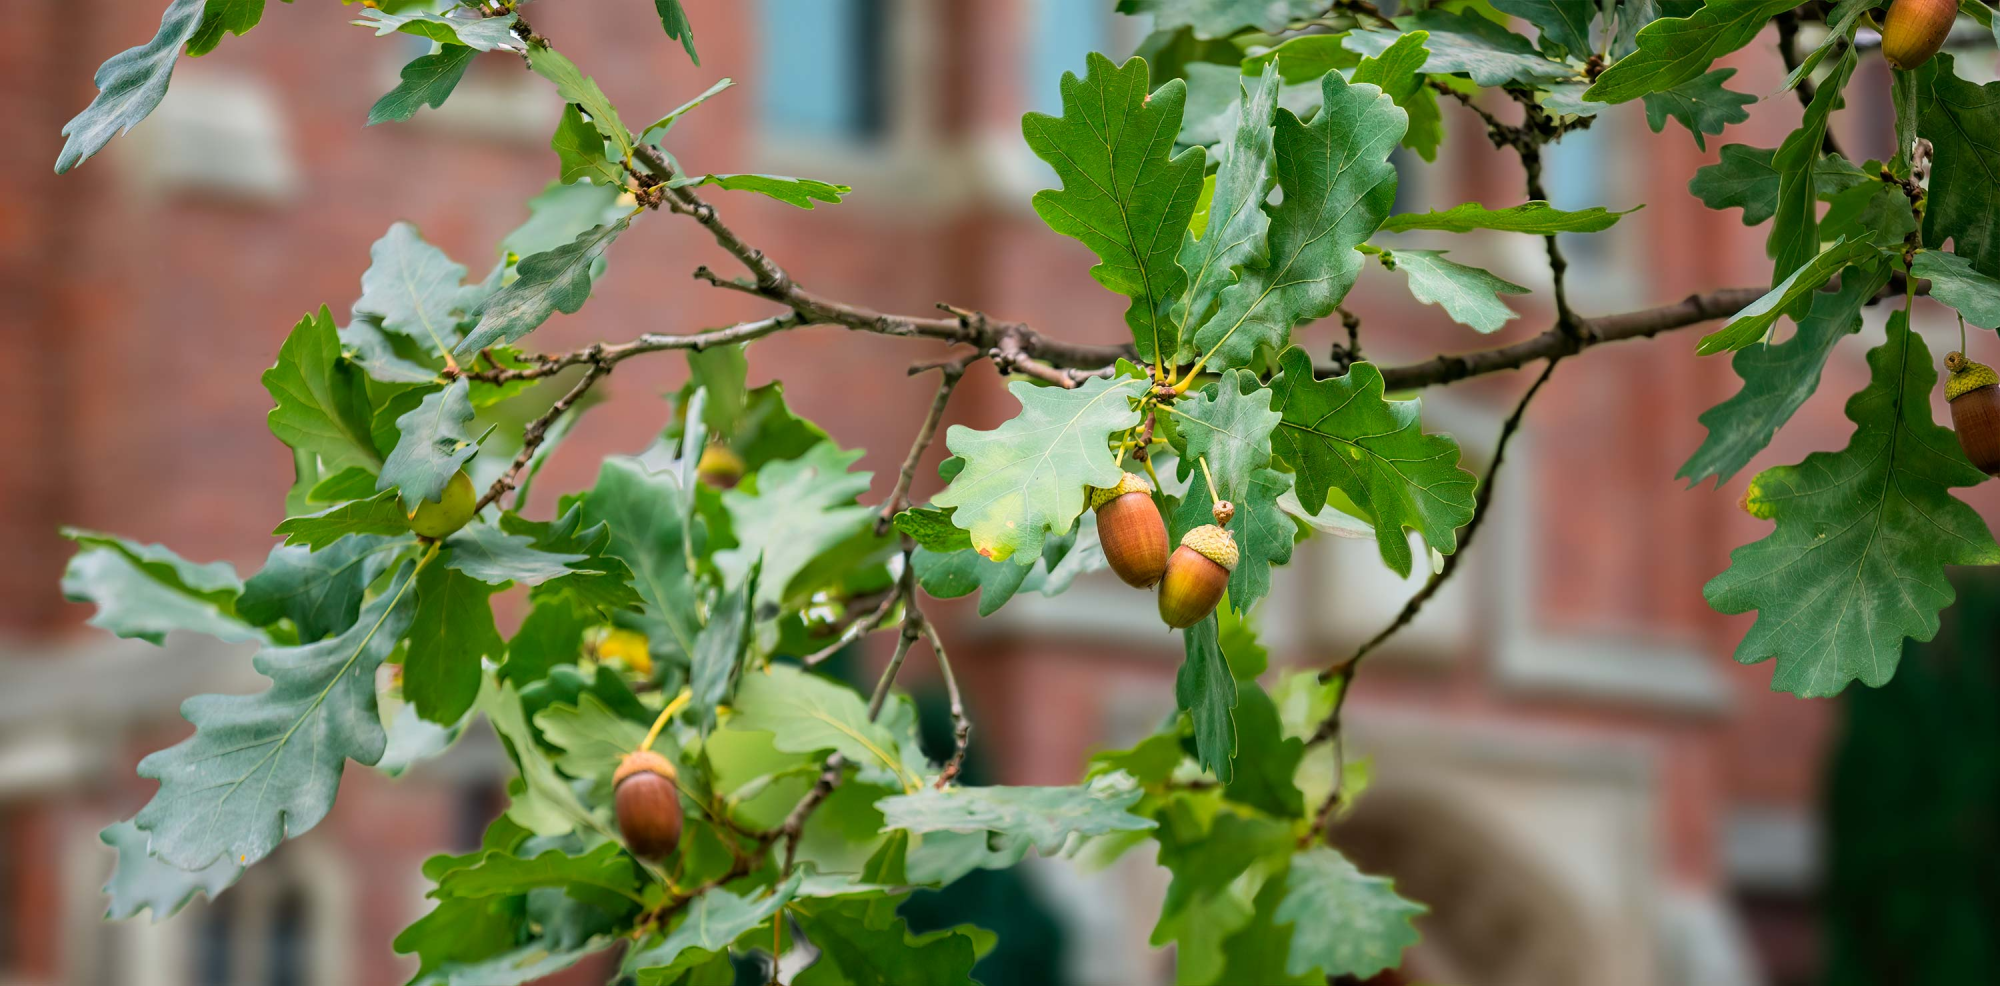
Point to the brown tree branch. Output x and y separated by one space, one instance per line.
961 724
535 432
900 495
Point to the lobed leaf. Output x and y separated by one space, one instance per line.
130 85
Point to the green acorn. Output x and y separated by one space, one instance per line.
451 511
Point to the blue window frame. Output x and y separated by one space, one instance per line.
823 68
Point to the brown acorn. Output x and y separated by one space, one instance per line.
1196 575
1130 528
1974 392
648 803
1914 30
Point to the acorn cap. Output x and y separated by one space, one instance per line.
1127 483
1966 376
642 761
1214 543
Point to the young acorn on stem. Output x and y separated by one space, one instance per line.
1131 530
648 803
1199 570
1974 392
452 510
1914 30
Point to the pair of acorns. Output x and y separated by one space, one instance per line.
1134 537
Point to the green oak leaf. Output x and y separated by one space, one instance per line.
1228 424
1958 117
1674 50
860 945
1341 434
1470 295
1702 105
497 557
262 768
477 33
1779 377
1840 24
605 876
1206 691
323 407
450 633
140 882
1205 901
594 578
1795 227
1564 22
1047 818
1466 42
657 130
951 574
1747 178
530 963
932 528
461 934
806 713
580 151
1536 217
1211 19
1754 322
1954 281
1876 212
319 591
1237 223
1338 187
382 514
1025 479
551 634
799 521
644 515
1399 72
674 21
1248 658
1345 923
219 17
1124 193
721 372
1857 561
714 921
574 87
1258 950
543 801
560 214
384 358
719 650
413 289
434 441
556 281
428 80
130 86
594 739
801 192
1266 758
146 590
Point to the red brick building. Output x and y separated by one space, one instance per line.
1568 767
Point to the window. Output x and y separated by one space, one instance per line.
1060 34
824 68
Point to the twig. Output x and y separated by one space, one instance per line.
537 430
1329 728
606 355
961 724
900 495
860 627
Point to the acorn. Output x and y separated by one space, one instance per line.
1974 393
648 803
1196 575
1914 30
1130 528
719 467
451 511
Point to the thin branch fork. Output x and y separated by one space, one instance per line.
899 497
538 430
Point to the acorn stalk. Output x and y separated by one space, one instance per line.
1914 30
1131 530
1974 392
1196 575
648 803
